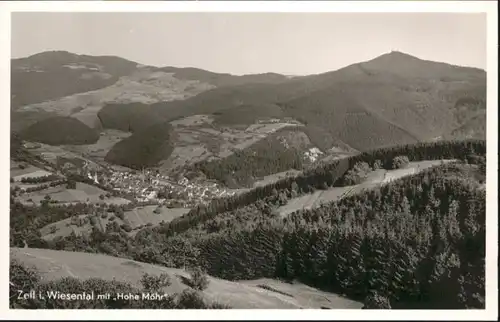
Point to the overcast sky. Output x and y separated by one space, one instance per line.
243 43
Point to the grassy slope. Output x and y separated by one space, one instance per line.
136 219
82 193
247 114
56 264
376 178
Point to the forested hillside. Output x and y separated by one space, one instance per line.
281 151
333 173
60 130
144 148
418 242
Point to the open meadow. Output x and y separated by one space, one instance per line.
83 193
136 219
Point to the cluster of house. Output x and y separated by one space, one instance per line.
313 154
150 186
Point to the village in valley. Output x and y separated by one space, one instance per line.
142 187
151 186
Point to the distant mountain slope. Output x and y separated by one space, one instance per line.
223 79
55 74
144 85
392 99
80 85
474 128
344 117
60 130
413 99
404 91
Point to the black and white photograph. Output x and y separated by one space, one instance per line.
223 160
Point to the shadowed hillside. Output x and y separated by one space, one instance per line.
144 148
60 130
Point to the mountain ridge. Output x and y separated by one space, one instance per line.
392 99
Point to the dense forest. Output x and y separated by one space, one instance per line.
243 167
145 148
60 130
128 118
418 242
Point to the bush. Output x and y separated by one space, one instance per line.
377 165
190 299
357 174
104 215
120 214
74 220
126 227
376 301
218 306
155 283
71 184
198 279
400 161
22 277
